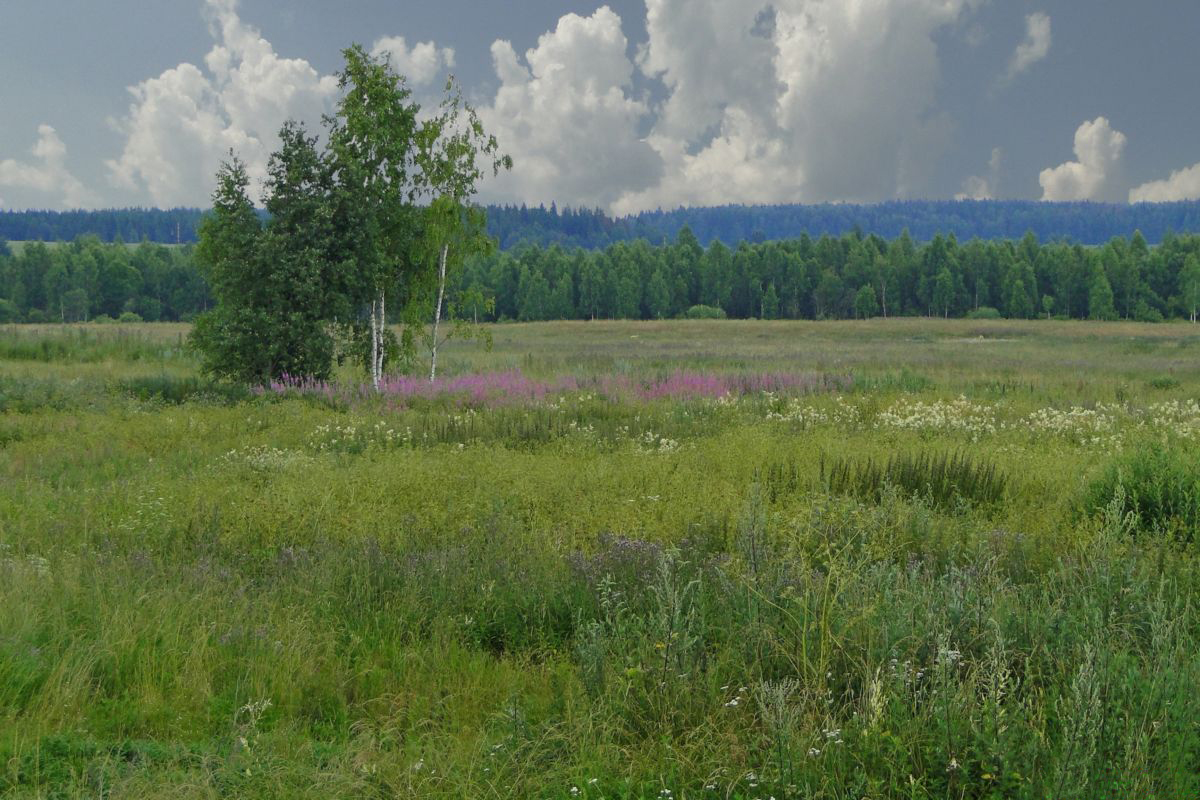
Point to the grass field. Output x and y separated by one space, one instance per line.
888 559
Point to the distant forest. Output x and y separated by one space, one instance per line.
848 276
514 226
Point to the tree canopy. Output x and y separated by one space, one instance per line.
348 232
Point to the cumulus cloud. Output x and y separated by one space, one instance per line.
567 116
1183 184
46 180
183 122
421 64
983 187
794 100
1098 150
1034 47
709 54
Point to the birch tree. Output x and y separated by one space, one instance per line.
456 155
374 143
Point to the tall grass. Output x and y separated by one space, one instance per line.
945 480
578 595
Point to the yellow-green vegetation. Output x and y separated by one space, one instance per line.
955 559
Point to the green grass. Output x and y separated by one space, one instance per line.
211 594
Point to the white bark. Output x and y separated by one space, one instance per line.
381 348
378 328
437 314
374 343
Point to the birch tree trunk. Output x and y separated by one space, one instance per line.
378 329
380 347
374 342
437 314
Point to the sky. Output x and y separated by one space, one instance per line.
627 106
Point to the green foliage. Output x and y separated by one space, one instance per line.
944 480
705 312
984 312
271 283
1189 285
865 304
1157 484
1100 296
345 231
176 390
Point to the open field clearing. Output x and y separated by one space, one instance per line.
898 558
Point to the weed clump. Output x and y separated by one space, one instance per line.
1160 486
945 480
175 390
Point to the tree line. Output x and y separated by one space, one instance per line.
851 276
516 225
1082 222
164 226
88 279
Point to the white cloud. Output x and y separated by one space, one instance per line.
1184 184
709 53
1035 46
47 179
566 116
421 65
794 100
184 122
983 187
1098 150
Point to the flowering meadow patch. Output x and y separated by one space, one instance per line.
514 388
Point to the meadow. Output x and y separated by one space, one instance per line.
888 559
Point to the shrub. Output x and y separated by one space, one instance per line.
1144 312
1164 382
984 312
1160 486
9 312
35 316
944 480
705 312
176 390
129 316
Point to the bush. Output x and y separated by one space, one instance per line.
984 312
1159 485
35 316
705 312
1164 382
1144 312
129 316
943 480
177 390
9 312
